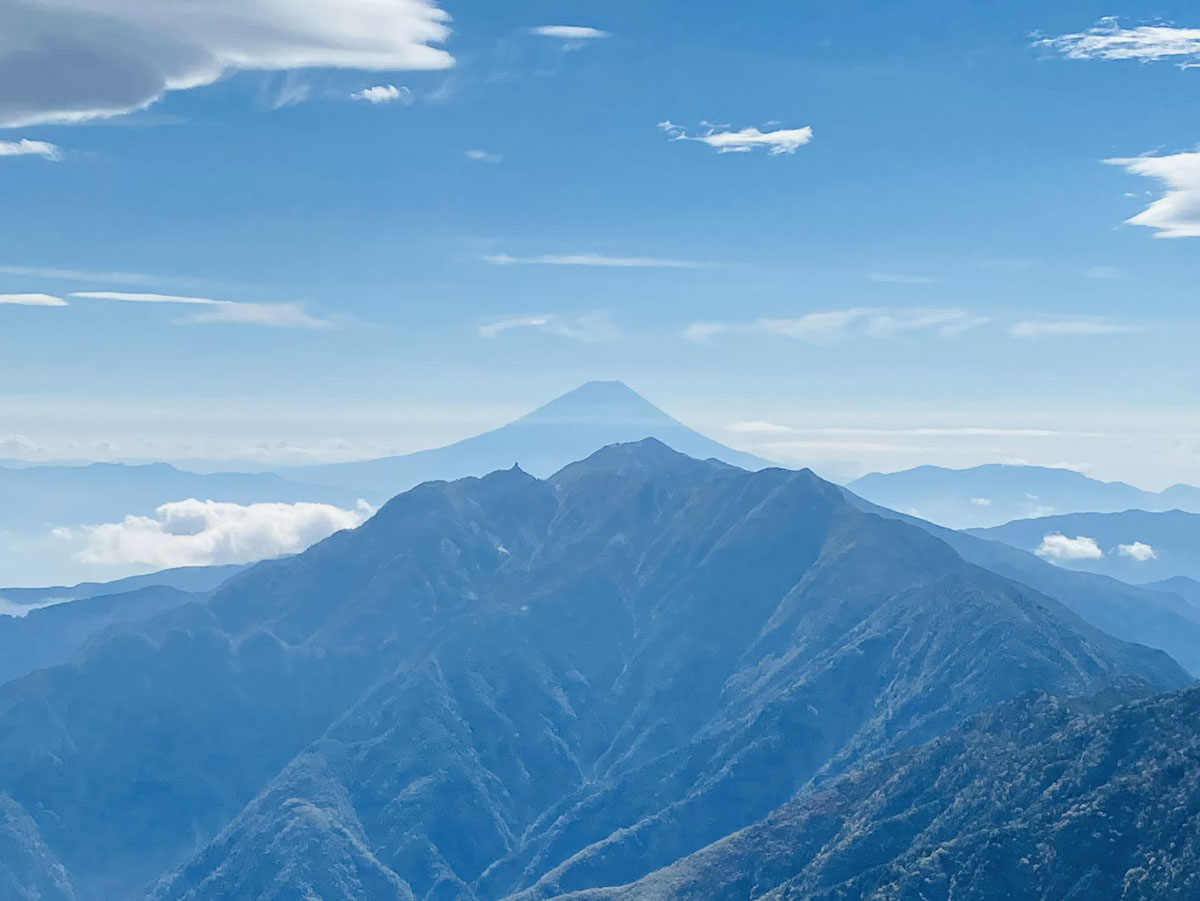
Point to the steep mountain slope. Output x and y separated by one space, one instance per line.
1157 616
28 869
510 686
1134 545
1034 799
991 495
568 428
51 635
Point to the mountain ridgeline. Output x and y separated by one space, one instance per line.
505 687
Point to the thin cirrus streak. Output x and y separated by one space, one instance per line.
283 315
599 260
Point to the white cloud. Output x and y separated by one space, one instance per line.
572 36
74 60
1138 551
26 147
1059 547
203 533
1041 328
1177 213
981 501
780 141
759 427
835 325
283 315
75 275
33 300
483 156
592 259
589 327
1108 40
383 93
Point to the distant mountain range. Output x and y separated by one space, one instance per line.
995 494
1135 546
36 496
34 499
569 428
513 688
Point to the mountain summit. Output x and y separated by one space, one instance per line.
568 428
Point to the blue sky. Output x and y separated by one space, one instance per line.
979 292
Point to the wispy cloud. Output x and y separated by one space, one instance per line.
1107 40
829 326
76 275
144 50
483 156
383 93
572 37
759 427
25 147
283 315
916 432
1042 328
1177 213
593 259
1104 273
587 327
723 140
32 300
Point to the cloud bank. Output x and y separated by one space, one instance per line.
73 60
204 533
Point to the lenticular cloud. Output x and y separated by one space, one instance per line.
74 60
202 533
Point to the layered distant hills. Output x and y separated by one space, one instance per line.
1134 545
35 501
509 687
994 494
